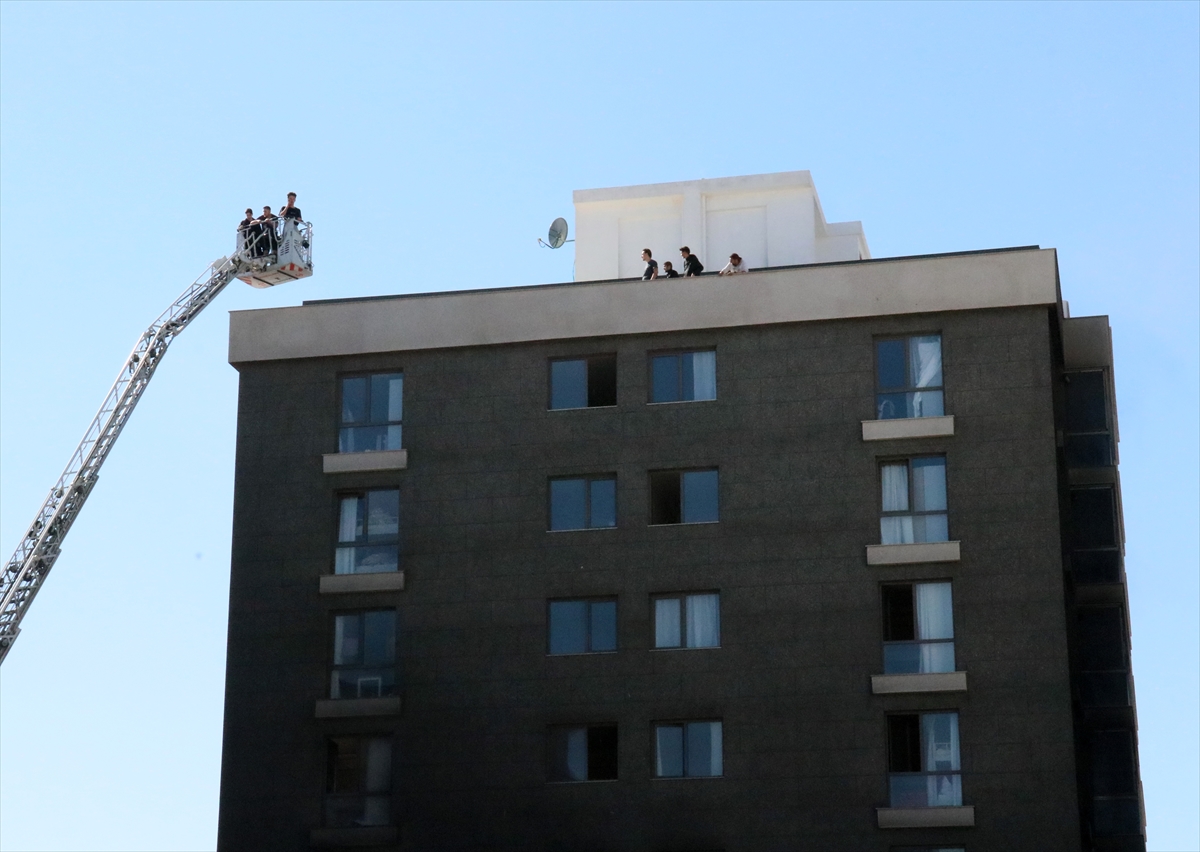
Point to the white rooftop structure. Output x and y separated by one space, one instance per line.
770 220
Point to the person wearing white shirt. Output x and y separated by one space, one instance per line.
735 266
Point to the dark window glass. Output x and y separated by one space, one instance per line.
1087 406
908 377
1088 450
1113 769
1096 566
583 503
583 626
368 532
1093 517
688 497
364 655
1115 816
579 753
358 782
1103 657
583 382
372 411
904 743
688 750
683 376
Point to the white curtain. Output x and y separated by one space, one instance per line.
577 754
929 484
348 523
396 398
666 623
704 371
925 361
935 620
703 621
939 737
895 530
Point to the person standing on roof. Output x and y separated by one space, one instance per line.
736 265
651 265
290 210
691 264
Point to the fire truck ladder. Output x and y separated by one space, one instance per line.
38 550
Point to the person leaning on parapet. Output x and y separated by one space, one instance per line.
691 264
651 265
290 210
669 270
735 266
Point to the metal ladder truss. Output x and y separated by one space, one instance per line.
38 550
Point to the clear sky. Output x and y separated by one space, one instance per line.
431 145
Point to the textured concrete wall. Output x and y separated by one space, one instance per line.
805 760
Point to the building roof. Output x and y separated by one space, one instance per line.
996 278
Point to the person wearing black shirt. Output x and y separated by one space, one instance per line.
267 223
651 265
249 229
669 270
691 264
290 210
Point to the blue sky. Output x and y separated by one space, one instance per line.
431 145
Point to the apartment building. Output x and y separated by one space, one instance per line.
825 556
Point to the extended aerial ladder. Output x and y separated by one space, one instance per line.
273 254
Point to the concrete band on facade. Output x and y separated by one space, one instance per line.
854 289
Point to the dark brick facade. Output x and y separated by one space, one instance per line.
805 761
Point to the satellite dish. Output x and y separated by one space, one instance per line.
558 234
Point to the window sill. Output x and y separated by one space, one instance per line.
582 408
908 427
683 524
341 708
361 462
582 529
680 401
959 817
376 835
891 684
384 581
909 554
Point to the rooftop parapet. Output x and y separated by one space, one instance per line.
905 285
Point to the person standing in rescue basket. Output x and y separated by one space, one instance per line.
290 210
651 265
248 230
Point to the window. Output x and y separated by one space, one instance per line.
364 655
372 407
683 496
923 760
1088 438
583 626
683 376
914 501
583 503
918 628
368 532
583 382
687 621
1115 808
687 750
358 782
1095 548
578 753
1103 657
908 377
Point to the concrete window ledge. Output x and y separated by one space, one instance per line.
384 581
375 835
908 427
360 462
960 817
929 682
341 708
909 554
